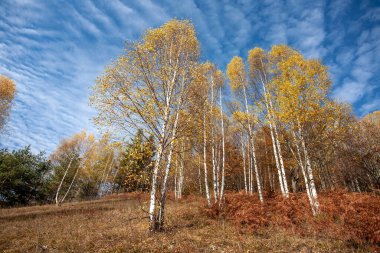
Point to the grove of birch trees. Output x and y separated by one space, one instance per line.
262 124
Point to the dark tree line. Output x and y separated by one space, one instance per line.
27 178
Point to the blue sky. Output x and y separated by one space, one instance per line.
54 50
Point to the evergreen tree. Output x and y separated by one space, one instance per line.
136 164
24 177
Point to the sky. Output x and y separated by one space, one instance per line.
54 50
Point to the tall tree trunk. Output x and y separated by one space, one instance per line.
71 184
166 176
199 175
303 170
305 165
250 165
253 151
152 206
218 163
249 169
113 180
313 189
284 182
280 180
258 180
205 160
108 172
223 148
274 135
57 202
244 165
214 176
104 169
268 168
175 179
153 221
182 168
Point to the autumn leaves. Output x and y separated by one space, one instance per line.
160 86
291 92
7 93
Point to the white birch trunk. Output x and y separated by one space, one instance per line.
313 189
249 170
199 175
258 181
307 173
223 148
275 145
253 151
152 205
57 202
275 142
244 165
108 171
175 180
280 180
217 166
71 184
302 166
181 175
104 169
113 180
160 151
166 176
205 161
284 182
214 179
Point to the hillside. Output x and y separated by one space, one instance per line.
118 224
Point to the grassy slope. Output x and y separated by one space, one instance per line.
118 225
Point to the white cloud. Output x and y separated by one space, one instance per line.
55 51
370 106
350 92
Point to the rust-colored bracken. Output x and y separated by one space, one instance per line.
351 217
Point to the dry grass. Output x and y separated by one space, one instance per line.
118 225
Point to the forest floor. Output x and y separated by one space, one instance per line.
119 224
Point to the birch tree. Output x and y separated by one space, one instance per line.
238 82
208 83
215 81
223 143
145 88
70 156
301 86
260 75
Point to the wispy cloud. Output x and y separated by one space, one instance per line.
361 86
55 50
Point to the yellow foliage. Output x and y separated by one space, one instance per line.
244 118
373 118
7 93
280 53
300 86
174 31
236 73
7 88
256 59
138 89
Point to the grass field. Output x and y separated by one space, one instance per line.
119 224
